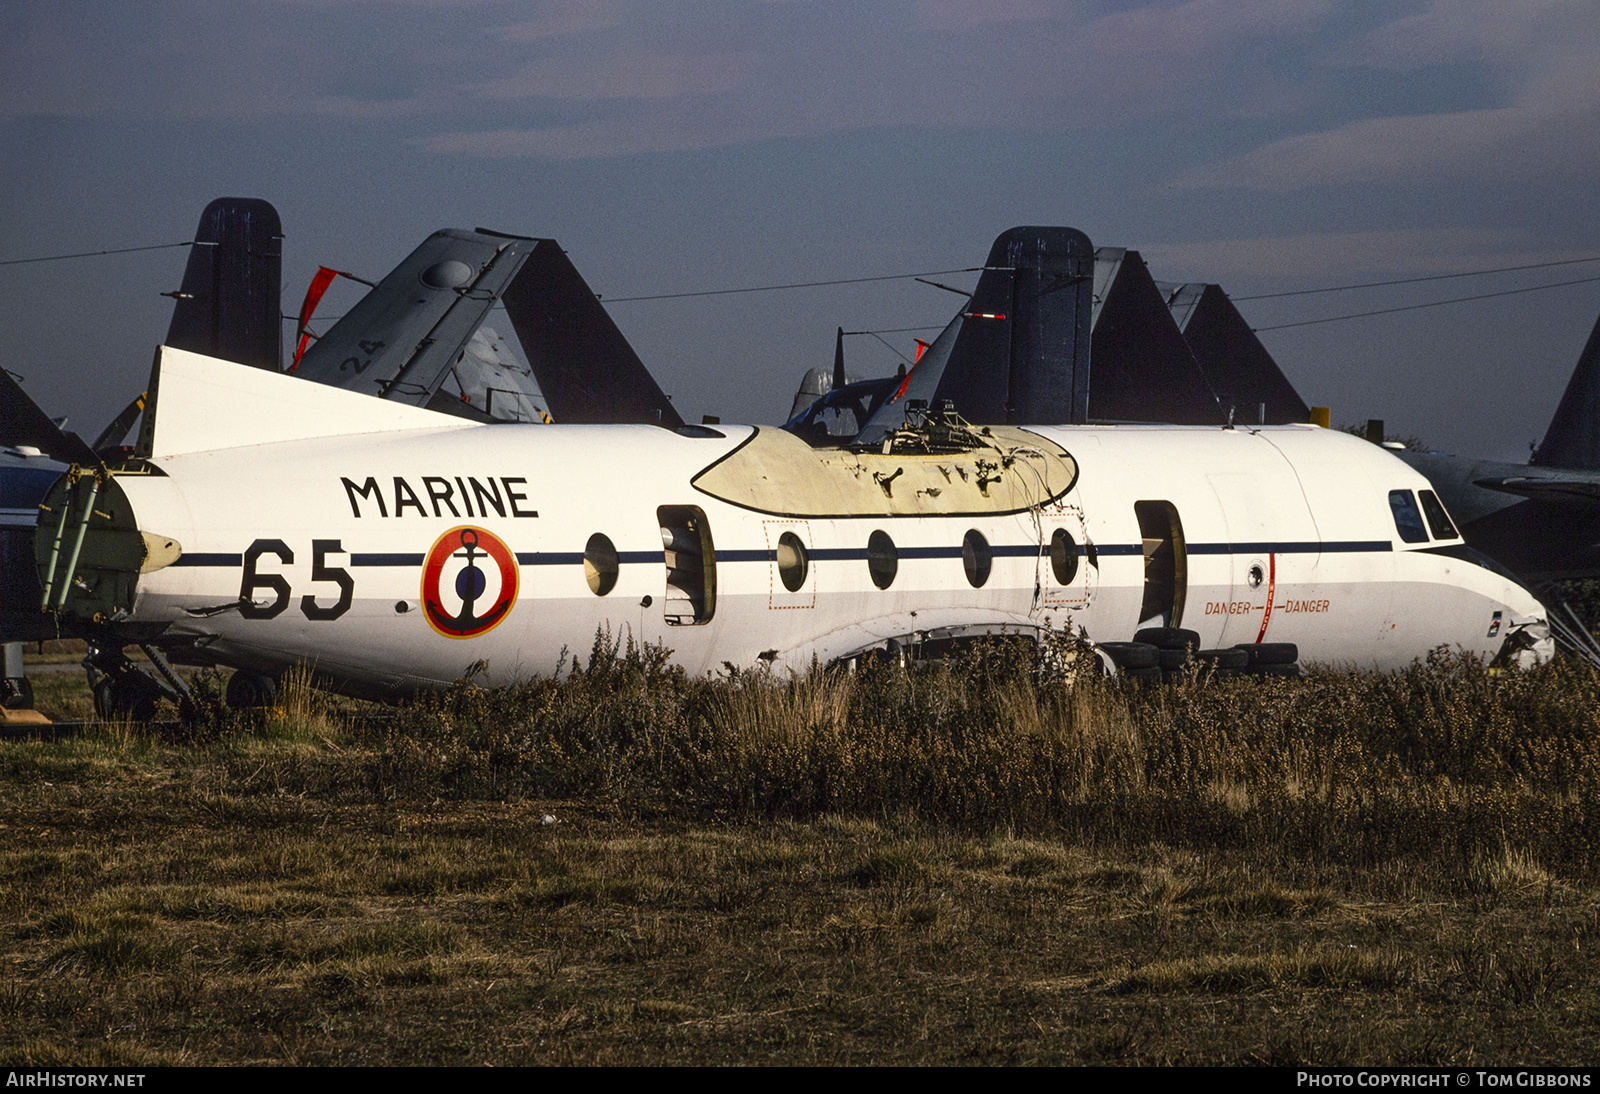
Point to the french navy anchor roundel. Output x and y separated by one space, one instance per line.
469 582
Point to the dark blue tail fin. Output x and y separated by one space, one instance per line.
228 306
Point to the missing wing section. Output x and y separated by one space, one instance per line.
228 307
585 367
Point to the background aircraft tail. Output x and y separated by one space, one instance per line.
1573 439
1233 360
1022 353
585 367
228 307
1142 368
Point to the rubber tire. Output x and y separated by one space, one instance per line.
1169 638
104 707
1230 658
135 695
250 691
1172 660
1270 653
1132 655
1290 670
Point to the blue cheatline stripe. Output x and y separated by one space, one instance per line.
385 560
847 554
549 558
1301 547
930 552
199 559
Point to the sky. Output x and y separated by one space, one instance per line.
1271 146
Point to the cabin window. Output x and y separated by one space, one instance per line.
600 564
1063 557
883 560
691 560
794 561
1166 562
1407 518
1438 519
977 558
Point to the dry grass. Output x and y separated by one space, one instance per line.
969 863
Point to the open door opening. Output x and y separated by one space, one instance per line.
691 560
1166 563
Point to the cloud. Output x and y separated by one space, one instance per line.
1547 127
636 75
965 14
1199 26
562 17
1474 30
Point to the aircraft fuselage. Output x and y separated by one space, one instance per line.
393 561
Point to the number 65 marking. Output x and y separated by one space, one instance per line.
279 585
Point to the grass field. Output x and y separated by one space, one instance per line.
961 864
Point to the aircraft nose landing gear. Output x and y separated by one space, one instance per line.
122 689
249 690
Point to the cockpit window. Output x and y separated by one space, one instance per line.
1438 519
1407 519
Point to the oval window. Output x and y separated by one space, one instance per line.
1063 556
883 560
977 558
600 564
793 561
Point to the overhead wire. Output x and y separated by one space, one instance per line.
97 254
1417 280
794 285
977 269
1429 304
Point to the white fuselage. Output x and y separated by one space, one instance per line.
1284 534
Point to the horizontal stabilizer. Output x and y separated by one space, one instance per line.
1558 491
198 404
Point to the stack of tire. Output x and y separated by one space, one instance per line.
1161 653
